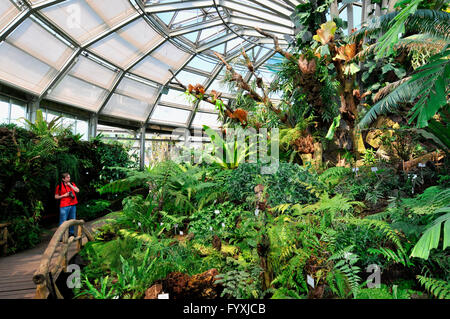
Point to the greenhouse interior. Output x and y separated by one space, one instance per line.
224 149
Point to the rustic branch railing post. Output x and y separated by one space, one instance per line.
45 277
4 241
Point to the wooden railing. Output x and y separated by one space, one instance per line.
45 277
4 237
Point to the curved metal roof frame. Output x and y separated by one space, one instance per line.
133 44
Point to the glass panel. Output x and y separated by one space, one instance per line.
192 36
170 115
202 64
7 13
219 85
209 119
90 71
4 110
83 128
187 17
190 78
83 20
171 55
138 90
77 92
30 37
127 107
124 47
234 44
116 50
166 17
175 96
206 33
52 115
21 69
68 122
206 106
18 112
152 69
141 35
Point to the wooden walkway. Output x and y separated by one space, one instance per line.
16 271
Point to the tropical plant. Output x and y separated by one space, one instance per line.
428 82
346 266
438 288
41 127
230 154
430 238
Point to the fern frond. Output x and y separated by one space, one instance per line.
438 288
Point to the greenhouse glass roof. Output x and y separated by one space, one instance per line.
116 57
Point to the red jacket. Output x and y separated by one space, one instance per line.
66 201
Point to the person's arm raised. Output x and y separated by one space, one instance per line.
76 189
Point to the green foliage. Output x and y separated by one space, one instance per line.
240 284
229 154
438 288
287 185
431 236
41 128
346 266
430 81
220 219
102 292
384 292
92 209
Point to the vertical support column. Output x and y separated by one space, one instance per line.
350 17
33 106
365 11
92 130
334 10
142 148
377 9
384 6
391 5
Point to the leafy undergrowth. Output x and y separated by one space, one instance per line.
222 247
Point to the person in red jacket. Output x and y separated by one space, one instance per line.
66 193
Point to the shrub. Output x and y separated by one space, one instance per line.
287 185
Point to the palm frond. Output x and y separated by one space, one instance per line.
389 88
435 23
430 82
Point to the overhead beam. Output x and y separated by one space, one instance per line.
260 24
176 6
273 6
14 23
274 18
217 42
196 27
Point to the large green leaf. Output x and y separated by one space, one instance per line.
430 238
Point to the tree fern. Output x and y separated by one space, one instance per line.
438 288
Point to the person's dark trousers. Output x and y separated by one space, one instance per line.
67 213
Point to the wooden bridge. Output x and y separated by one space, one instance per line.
30 274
